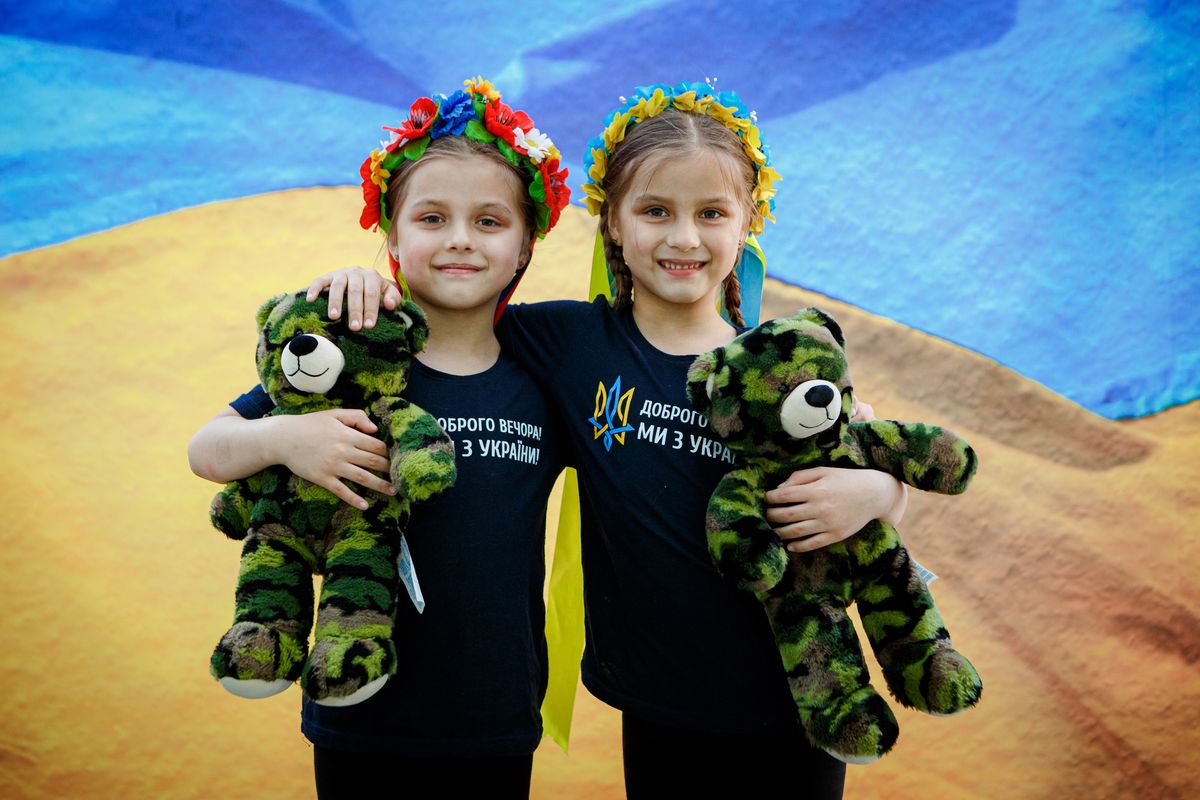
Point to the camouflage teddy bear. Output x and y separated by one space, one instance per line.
779 396
292 528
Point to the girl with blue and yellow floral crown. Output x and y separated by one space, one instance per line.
462 190
681 181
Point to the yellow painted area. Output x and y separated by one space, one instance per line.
1068 570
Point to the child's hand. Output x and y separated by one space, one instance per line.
326 446
820 506
863 412
364 289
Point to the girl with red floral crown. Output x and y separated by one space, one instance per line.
462 190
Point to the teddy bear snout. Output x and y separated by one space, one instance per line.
819 396
302 345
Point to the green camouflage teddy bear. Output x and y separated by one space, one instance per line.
292 528
779 396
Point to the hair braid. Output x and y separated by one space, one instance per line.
733 299
622 280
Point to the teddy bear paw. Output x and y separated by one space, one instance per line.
857 729
356 697
254 689
343 670
949 684
255 661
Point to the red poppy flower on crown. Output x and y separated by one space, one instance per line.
502 121
478 114
421 115
558 194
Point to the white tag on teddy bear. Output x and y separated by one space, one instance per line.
408 576
925 574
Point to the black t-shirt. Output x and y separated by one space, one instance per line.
667 637
472 667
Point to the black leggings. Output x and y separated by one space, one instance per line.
662 761
354 776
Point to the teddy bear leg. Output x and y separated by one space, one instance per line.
263 652
353 653
909 636
840 711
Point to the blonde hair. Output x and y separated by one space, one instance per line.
460 147
669 134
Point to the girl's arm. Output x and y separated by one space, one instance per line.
364 289
820 506
323 447
816 507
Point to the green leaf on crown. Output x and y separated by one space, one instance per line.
416 148
392 160
477 131
537 189
506 150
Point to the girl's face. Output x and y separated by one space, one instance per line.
459 234
680 226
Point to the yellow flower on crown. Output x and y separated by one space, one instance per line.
614 134
725 116
752 137
481 88
754 154
650 106
379 175
599 164
593 197
765 188
685 101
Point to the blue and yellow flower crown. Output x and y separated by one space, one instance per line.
695 98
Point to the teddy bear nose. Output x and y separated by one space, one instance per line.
302 345
819 396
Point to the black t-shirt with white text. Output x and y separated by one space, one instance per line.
471 668
667 638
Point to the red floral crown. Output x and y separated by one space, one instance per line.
478 114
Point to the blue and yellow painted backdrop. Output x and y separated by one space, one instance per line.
1020 179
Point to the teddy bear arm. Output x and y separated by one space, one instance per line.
230 510
422 454
926 457
743 546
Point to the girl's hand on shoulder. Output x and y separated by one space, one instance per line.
364 290
820 506
326 446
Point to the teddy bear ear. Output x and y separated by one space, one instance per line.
822 318
265 311
699 379
416 324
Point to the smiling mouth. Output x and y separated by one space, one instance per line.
828 417
309 374
680 266
458 268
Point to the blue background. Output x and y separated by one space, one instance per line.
1022 178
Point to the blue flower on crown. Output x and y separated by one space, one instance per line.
454 113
